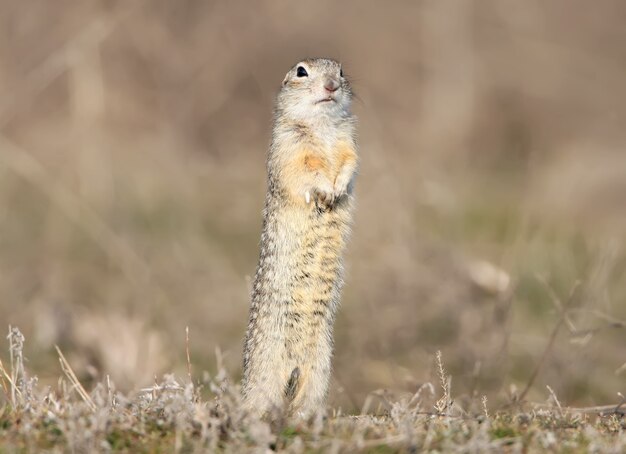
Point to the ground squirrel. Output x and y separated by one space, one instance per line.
311 166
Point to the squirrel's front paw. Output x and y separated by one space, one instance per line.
323 195
342 184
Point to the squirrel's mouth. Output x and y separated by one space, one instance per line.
325 100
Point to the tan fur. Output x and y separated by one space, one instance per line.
311 166
313 162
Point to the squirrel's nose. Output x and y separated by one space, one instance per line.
331 84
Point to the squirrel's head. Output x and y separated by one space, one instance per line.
314 88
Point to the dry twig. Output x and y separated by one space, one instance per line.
562 318
67 369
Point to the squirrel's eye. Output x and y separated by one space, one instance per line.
301 72
341 72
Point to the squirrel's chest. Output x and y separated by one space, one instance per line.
327 160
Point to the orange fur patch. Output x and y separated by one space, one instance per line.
313 162
308 164
346 154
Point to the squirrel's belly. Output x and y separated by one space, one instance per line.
297 285
313 250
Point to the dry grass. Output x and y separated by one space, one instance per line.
173 416
132 146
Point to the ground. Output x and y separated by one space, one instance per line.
206 415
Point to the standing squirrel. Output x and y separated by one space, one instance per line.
311 166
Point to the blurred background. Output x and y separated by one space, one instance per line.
491 195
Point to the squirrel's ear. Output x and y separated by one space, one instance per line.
285 80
